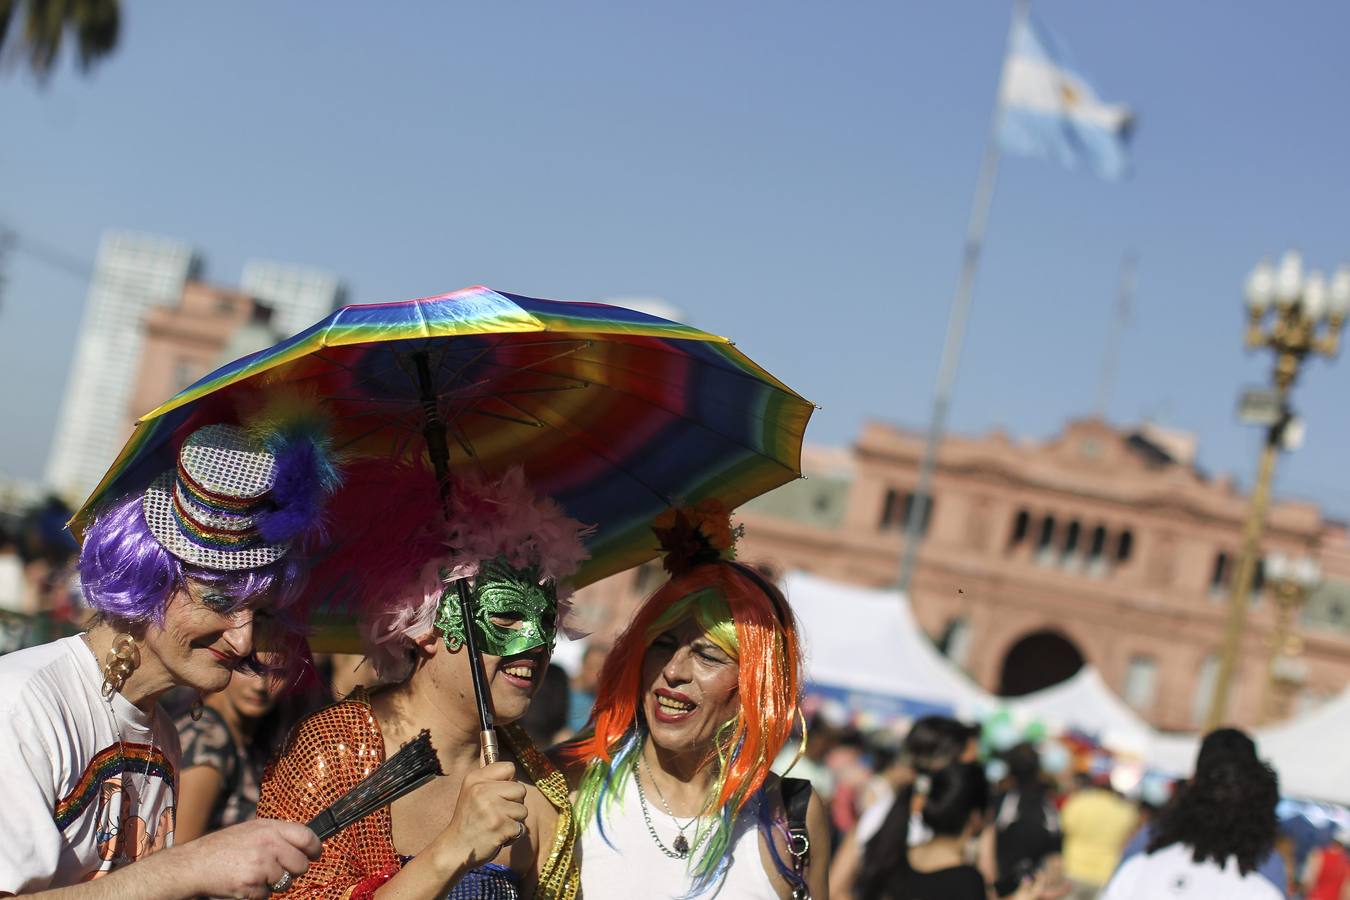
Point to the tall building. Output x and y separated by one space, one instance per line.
132 275
297 296
185 341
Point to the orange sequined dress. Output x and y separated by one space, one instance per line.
334 749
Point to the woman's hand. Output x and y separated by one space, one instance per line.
489 814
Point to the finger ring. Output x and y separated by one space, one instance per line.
283 883
521 832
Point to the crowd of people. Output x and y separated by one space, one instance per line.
176 745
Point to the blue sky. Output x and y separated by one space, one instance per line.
796 176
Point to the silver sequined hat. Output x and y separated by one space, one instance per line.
206 511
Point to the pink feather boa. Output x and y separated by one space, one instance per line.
395 543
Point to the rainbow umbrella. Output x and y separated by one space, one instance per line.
614 413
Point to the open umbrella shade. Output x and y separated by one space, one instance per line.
614 413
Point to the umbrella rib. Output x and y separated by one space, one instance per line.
454 376
478 411
580 437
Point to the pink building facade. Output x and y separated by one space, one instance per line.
1101 545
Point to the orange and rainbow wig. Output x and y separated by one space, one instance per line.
748 619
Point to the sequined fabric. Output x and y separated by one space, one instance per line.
334 749
490 882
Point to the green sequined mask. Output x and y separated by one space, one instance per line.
502 591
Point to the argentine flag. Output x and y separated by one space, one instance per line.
1051 112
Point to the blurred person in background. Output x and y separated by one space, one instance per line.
933 743
12 593
806 755
1218 743
226 742
1211 838
14 596
1097 823
1327 874
1026 837
953 804
546 719
581 696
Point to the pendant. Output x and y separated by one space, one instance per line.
681 846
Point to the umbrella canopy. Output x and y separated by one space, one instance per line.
614 413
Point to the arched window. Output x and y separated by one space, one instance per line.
1096 555
1045 541
1218 578
890 511
1124 545
1021 525
1047 537
1071 538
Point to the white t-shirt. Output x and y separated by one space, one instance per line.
77 801
630 864
1171 872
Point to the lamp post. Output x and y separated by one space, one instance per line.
1305 317
1292 581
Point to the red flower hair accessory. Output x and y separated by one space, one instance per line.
693 535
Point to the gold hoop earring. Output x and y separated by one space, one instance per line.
122 659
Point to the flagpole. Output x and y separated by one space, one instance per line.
1111 360
956 320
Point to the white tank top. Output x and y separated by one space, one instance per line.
634 867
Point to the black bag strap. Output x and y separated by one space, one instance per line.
796 799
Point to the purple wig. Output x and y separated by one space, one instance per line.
127 576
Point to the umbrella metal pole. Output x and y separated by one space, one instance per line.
439 450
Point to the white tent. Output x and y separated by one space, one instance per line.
1309 752
1306 752
863 645
1084 703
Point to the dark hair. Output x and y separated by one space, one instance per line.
933 745
954 795
935 742
1222 742
1227 808
1024 765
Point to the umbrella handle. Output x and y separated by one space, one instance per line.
487 736
433 430
488 741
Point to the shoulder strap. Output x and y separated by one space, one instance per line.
796 799
560 878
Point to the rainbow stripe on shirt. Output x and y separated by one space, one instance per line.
143 759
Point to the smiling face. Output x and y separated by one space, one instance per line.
689 688
205 636
515 624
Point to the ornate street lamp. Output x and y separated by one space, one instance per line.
1291 580
1294 316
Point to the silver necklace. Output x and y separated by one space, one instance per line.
122 751
680 848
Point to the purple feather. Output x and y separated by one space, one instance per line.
297 493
